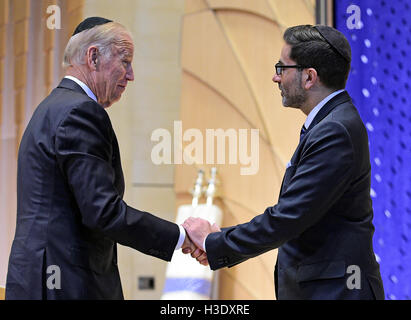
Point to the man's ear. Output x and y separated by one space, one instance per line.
310 78
92 58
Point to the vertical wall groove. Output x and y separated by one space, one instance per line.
21 15
4 11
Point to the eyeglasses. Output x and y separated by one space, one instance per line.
279 68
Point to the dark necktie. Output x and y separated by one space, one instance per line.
302 132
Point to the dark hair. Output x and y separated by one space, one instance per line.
309 48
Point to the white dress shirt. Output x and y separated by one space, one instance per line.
90 93
318 107
83 86
315 111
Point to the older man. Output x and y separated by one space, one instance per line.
322 223
70 183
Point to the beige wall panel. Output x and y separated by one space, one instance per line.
257 44
20 69
48 42
48 68
202 107
19 105
231 289
19 111
74 5
257 278
191 6
262 266
234 214
76 16
134 264
4 11
293 12
1 110
21 34
8 201
2 41
21 10
1 78
259 7
204 45
46 3
75 11
49 37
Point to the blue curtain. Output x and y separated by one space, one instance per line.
379 83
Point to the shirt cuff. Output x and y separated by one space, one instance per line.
181 238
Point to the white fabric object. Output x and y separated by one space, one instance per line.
186 279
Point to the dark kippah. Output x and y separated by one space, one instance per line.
90 23
336 40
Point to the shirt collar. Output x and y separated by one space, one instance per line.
318 107
84 87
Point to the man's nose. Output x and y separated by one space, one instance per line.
130 74
276 78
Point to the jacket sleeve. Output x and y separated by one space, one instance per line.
314 184
83 146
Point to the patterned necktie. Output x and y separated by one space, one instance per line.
302 132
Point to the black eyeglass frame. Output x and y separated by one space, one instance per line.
280 66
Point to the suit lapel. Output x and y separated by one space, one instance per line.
328 107
115 160
325 110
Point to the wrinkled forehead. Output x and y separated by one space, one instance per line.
125 46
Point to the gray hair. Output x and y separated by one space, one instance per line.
104 37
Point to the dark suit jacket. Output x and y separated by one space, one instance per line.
70 211
322 223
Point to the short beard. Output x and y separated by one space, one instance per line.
298 97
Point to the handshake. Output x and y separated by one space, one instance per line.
197 230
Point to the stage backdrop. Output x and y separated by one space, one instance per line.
379 82
228 52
